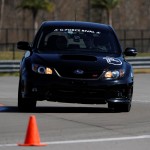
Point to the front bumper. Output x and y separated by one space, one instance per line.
77 91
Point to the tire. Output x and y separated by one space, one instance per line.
126 107
24 104
110 105
122 107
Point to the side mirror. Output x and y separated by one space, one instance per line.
130 52
23 45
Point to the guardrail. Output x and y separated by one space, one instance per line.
139 62
10 66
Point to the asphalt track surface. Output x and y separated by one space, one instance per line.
75 126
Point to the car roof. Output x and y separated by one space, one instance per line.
76 24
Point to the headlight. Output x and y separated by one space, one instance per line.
113 74
41 69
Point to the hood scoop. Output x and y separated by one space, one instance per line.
79 57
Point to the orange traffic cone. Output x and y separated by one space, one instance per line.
32 134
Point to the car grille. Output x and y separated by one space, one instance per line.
79 73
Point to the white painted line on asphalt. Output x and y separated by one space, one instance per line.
141 101
99 140
90 140
7 145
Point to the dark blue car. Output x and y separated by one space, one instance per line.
75 62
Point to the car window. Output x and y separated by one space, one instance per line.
77 39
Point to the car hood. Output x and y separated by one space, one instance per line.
78 63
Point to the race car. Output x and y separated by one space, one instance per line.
75 62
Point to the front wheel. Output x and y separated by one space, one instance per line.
24 104
126 107
120 107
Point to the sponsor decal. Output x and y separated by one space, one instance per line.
77 30
113 61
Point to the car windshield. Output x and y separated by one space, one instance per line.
77 40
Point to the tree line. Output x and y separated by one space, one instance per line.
35 6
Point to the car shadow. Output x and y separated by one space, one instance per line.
58 109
